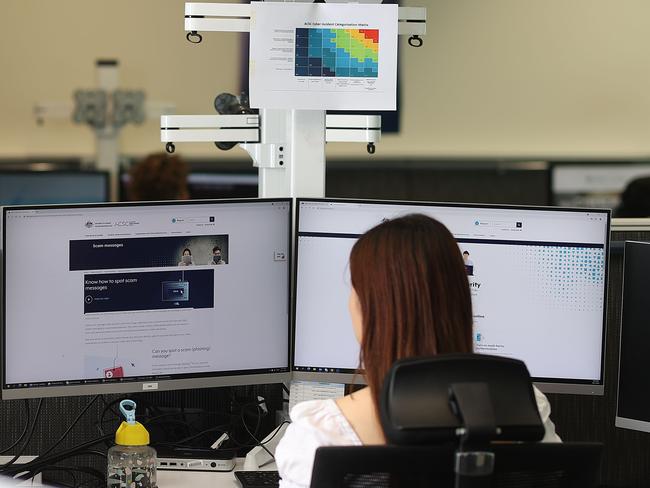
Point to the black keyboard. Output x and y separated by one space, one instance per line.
258 479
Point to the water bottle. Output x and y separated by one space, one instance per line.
131 462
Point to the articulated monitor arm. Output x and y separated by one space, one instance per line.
234 17
245 130
287 145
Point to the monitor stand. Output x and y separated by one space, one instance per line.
258 457
299 391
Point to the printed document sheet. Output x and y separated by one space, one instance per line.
323 56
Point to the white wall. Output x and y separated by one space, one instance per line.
552 77
49 48
494 78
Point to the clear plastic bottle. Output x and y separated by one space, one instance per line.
131 462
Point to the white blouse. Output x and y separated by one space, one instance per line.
319 423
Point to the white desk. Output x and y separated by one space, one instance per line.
199 479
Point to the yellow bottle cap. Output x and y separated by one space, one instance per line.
131 435
130 432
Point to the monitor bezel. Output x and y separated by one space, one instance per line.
104 173
103 386
619 420
547 385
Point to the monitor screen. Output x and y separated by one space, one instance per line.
633 405
133 297
537 277
53 187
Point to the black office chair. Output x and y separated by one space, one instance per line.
441 417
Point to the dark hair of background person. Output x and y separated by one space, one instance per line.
216 248
188 250
415 299
159 176
635 199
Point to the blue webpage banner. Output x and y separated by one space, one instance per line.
118 292
147 252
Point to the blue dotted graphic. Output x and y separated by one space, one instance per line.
568 278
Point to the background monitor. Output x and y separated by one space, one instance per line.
593 184
106 299
222 185
53 187
537 281
210 181
439 180
633 402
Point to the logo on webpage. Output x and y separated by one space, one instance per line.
117 372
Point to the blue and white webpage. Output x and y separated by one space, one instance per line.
536 277
119 293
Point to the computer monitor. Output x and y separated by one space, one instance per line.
207 184
53 187
593 184
439 180
150 296
204 184
633 401
537 281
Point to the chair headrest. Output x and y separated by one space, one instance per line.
415 405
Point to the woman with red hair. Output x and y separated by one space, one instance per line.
410 297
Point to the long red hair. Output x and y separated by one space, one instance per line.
415 300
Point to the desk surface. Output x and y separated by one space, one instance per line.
200 479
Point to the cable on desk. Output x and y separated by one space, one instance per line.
242 419
43 459
64 435
69 471
277 430
58 456
242 411
22 434
144 416
257 426
72 469
181 418
8 464
182 407
183 442
85 469
262 444
108 406
166 419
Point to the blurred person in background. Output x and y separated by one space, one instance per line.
159 176
635 199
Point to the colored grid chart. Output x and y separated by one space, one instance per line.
337 53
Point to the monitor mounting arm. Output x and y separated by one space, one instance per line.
288 146
244 129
